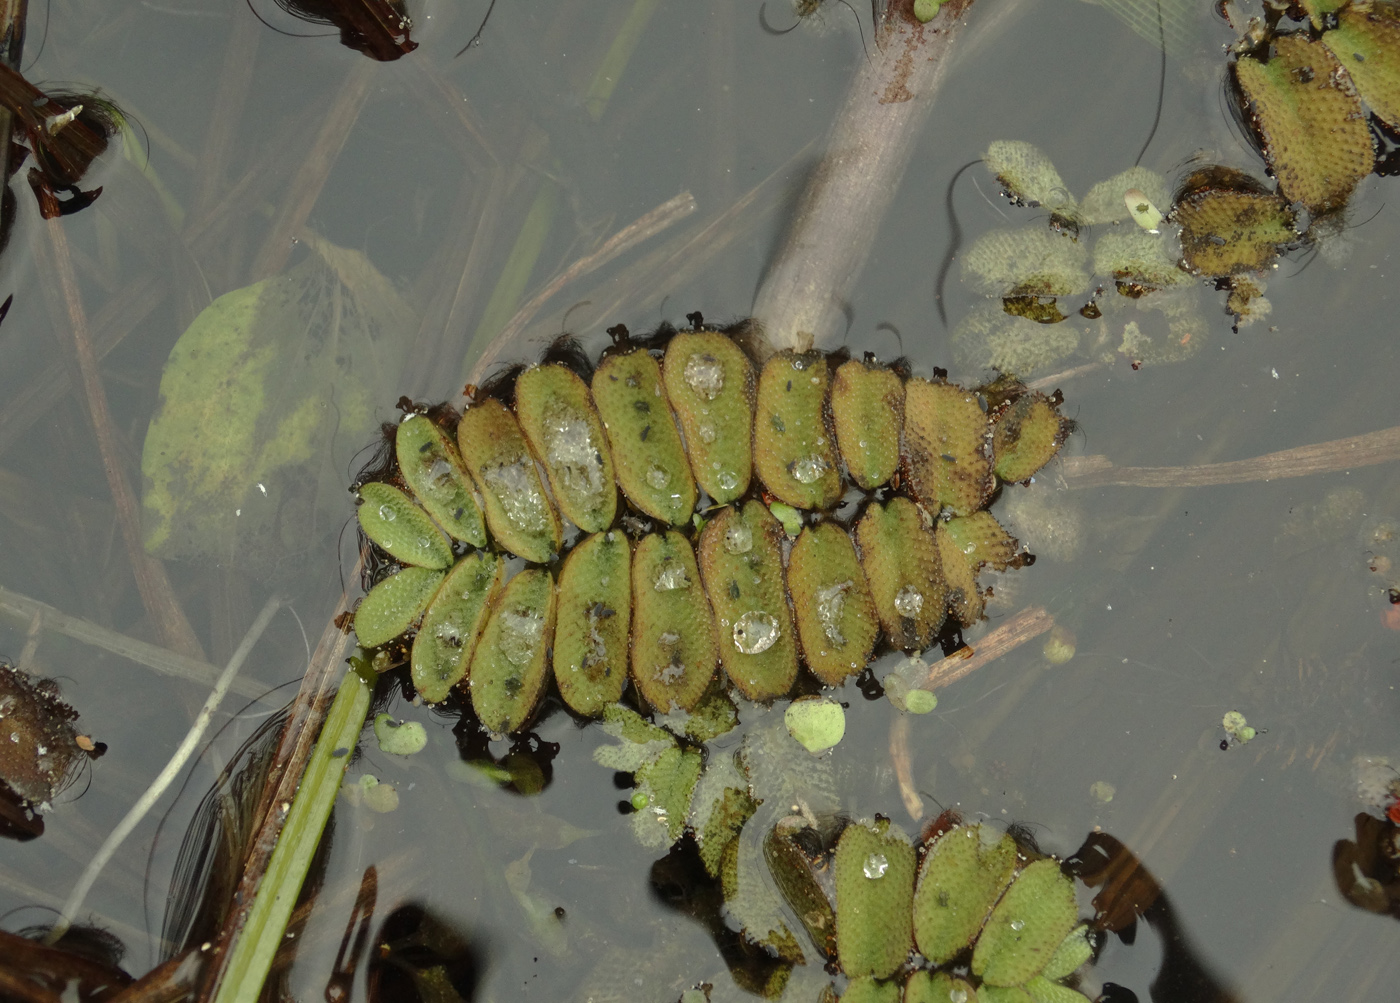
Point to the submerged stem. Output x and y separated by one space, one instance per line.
804 296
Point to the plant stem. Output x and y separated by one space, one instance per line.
263 931
163 780
802 301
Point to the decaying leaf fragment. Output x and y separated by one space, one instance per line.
38 747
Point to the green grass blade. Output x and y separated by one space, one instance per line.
263 930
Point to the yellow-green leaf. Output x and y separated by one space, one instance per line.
264 399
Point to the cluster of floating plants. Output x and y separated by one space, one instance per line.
701 567
1054 294
1303 95
992 921
966 913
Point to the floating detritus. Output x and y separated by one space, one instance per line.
40 750
776 577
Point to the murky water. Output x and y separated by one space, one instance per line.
1185 602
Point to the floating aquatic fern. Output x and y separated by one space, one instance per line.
664 591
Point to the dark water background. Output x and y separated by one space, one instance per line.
1186 603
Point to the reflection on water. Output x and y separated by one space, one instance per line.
469 183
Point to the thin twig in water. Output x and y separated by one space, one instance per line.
663 216
163 780
311 176
154 587
1030 622
23 609
1366 450
903 766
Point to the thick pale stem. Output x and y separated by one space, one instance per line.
803 298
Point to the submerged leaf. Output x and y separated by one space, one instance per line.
263 400
1029 177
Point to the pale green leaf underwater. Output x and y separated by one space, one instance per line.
263 399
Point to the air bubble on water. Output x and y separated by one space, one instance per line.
707 434
704 375
908 601
521 633
658 477
831 603
387 513
957 995
672 576
1018 925
755 632
738 538
514 485
876 864
808 469
727 480
575 457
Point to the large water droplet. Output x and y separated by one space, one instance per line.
672 576
704 375
707 434
727 480
658 477
738 538
521 633
387 513
908 601
876 864
957 995
969 548
831 603
1018 925
808 468
755 632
